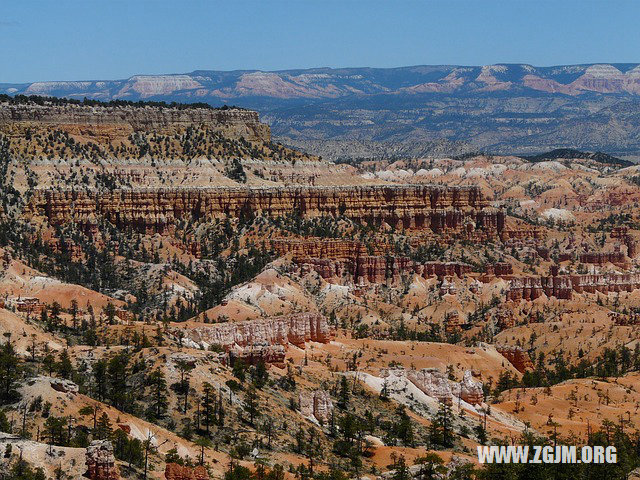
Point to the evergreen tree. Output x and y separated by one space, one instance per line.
207 407
9 372
103 430
441 433
343 396
251 404
64 366
159 401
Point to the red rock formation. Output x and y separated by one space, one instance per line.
370 269
600 258
505 318
254 354
452 322
296 329
101 464
563 286
517 357
317 404
154 210
622 319
316 248
235 123
447 287
174 471
432 382
524 288
469 390
499 269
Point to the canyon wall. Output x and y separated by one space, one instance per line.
296 329
174 471
363 263
101 463
563 286
517 357
234 122
154 210
369 269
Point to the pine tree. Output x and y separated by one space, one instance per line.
74 313
64 366
9 372
343 396
259 375
103 430
441 428
208 408
159 402
54 317
251 404
100 379
117 370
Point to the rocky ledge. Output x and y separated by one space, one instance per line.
434 207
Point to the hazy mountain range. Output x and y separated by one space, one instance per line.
417 110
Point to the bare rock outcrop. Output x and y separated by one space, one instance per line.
254 354
517 357
600 258
431 207
64 386
234 122
297 329
174 471
316 404
469 389
563 286
101 463
432 382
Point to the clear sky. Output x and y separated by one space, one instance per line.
111 39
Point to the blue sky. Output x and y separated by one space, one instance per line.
110 39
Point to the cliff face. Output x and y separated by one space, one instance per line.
101 463
153 210
378 269
234 122
174 471
363 263
563 286
295 329
517 357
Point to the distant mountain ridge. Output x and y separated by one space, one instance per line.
503 108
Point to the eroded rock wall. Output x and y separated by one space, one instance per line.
436 208
295 329
234 122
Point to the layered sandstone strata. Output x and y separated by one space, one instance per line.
499 269
362 263
377 269
254 354
437 208
174 471
432 382
563 286
296 329
600 258
101 463
234 122
469 389
323 248
517 357
625 237
316 404
435 384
